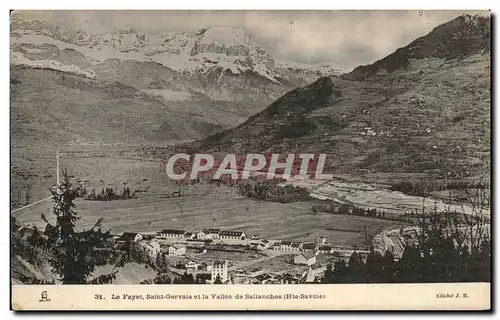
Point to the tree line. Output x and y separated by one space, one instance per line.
349 209
424 188
272 192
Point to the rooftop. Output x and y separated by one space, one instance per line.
212 231
219 262
127 236
307 255
230 233
309 246
178 246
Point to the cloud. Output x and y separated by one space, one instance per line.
347 37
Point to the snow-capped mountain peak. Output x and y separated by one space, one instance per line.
210 49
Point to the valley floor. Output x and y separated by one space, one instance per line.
229 212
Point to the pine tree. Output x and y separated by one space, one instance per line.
410 265
187 278
374 262
388 267
328 274
176 280
162 279
341 273
356 266
72 253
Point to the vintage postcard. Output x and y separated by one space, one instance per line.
250 160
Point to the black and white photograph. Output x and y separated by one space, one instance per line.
284 148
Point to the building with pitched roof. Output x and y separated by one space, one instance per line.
128 237
307 258
177 250
211 233
232 235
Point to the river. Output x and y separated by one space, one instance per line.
378 196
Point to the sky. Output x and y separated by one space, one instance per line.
349 38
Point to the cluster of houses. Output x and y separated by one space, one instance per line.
151 248
128 239
303 249
305 252
218 269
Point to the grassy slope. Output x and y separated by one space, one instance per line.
426 120
49 107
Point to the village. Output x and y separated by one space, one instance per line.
232 257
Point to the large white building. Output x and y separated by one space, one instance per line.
211 233
307 258
296 246
201 235
219 269
321 240
232 235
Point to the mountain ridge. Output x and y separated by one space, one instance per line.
211 79
187 51
410 118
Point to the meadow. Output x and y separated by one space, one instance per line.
270 220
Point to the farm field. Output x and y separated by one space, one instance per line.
269 220
97 167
